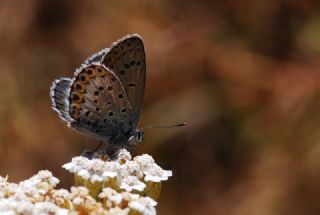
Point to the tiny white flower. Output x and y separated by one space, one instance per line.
95 166
68 166
119 211
77 200
151 170
108 174
124 155
96 178
144 160
60 196
130 183
76 164
44 208
79 191
157 175
84 174
131 168
43 179
9 212
111 195
144 205
111 169
47 176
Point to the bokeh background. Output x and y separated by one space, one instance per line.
244 75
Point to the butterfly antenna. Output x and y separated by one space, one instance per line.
164 126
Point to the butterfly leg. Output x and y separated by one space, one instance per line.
104 151
90 153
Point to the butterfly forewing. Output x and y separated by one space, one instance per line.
98 102
126 58
97 57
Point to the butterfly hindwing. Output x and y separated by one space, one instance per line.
59 92
126 58
98 102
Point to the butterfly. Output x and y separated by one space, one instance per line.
104 97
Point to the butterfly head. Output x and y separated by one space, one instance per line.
137 137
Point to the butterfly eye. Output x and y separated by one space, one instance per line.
139 136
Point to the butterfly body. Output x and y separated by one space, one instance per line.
105 96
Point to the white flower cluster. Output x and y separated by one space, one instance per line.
31 196
106 188
135 202
130 174
38 196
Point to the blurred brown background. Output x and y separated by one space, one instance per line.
245 76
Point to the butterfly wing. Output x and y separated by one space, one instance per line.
98 103
59 92
126 58
97 57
